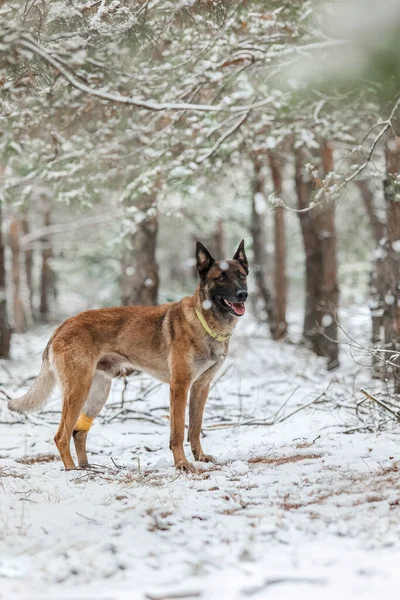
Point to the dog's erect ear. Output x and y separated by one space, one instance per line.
240 256
204 260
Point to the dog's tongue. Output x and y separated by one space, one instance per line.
239 308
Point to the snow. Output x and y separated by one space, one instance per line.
271 142
327 320
260 204
379 253
294 508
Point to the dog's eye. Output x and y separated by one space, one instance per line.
222 277
241 276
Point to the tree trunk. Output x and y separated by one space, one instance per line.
377 278
329 289
140 281
377 227
260 259
304 188
18 307
5 329
280 324
386 280
218 241
47 275
28 265
322 291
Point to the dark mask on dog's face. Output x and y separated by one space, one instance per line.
224 282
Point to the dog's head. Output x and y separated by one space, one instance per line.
223 283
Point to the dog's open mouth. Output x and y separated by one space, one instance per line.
236 309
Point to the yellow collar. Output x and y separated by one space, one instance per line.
217 336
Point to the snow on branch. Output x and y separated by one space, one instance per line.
386 125
223 137
28 43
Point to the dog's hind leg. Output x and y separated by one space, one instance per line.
76 390
97 398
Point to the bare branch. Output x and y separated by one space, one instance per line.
37 234
223 137
396 414
386 124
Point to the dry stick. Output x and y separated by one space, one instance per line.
115 464
5 394
368 350
123 392
151 388
285 403
267 423
172 596
220 377
279 580
382 404
300 408
143 416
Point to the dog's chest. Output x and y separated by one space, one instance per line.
215 353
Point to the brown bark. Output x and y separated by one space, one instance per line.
18 307
322 291
304 189
329 290
377 227
28 264
5 329
217 244
280 324
260 258
140 280
385 281
47 275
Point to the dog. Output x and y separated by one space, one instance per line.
180 343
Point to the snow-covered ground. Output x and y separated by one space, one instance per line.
297 507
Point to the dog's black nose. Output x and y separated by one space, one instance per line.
242 295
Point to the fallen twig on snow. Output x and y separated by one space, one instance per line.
279 580
176 596
274 420
143 416
396 414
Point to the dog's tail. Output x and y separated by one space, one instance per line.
40 390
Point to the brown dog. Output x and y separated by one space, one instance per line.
181 343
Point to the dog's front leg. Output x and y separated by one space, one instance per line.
198 399
179 388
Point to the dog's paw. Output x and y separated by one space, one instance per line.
15 405
185 465
207 458
88 467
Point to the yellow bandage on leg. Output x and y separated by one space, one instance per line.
84 423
